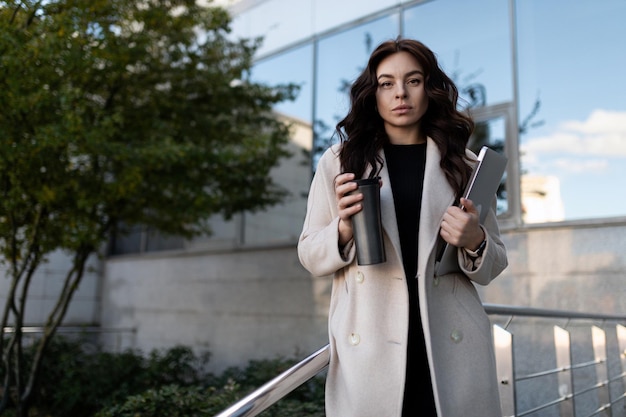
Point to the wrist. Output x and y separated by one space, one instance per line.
345 233
480 241
478 252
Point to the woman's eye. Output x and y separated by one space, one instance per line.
414 81
385 84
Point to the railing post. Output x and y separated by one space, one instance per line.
598 337
564 363
503 344
621 343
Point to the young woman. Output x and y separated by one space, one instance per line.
404 342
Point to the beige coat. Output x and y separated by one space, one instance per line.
368 316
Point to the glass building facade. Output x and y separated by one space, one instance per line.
543 79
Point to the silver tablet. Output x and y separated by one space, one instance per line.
481 189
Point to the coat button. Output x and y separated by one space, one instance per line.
456 336
436 281
355 339
360 277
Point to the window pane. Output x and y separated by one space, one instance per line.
341 58
492 133
127 240
276 22
157 241
282 23
283 222
345 11
472 42
295 67
225 234
572 108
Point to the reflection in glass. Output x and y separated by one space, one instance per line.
472 42
341 58
492 133
572 84
473 48
295 67
283 222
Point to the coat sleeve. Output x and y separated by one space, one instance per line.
493 260
318 245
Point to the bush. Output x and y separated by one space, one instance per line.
307 400
75 382
79 382
174 401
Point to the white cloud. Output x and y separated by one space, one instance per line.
582 166
600 122
602 134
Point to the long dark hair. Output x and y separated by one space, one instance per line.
362 132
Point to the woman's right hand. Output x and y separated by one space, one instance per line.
347 205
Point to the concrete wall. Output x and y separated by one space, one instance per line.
46 286
259 303
248 304
570 266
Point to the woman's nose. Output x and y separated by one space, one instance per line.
400 91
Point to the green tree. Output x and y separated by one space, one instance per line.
119 112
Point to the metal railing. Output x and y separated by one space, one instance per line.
274 390
72 329
563 403
118 334
279 387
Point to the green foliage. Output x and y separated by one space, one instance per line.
307 400
80 381
116 113
258 372
232 385
174 401
76 382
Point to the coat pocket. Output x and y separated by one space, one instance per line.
468 299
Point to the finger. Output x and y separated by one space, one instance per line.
448 234
349 200
350 210
454 216
468 205
449 225
344 185
449 221
343 178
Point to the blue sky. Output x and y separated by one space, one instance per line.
580 80
571 57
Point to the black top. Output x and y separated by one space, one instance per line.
405 164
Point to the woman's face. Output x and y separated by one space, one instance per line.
400 96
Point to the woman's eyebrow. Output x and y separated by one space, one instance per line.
408 74
416 72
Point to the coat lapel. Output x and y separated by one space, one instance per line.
437 196
388 209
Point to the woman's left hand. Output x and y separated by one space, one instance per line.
460 226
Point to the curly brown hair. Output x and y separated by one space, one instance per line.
362 132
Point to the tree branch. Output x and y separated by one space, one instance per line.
70 285
12 354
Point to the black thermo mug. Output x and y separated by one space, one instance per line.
367 225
